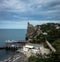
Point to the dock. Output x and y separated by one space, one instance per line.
13 45
8 48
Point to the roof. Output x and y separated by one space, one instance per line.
29 46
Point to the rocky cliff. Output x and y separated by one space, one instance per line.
32 31
50 31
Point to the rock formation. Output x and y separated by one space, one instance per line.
32 31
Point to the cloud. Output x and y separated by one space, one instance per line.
30 9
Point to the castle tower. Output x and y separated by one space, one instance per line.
30 30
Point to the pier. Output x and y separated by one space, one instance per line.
8 48
13 45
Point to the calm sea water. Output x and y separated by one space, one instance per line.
10 34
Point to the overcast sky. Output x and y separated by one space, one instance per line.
16 13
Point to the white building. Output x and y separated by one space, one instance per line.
36 49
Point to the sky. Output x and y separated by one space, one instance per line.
15 14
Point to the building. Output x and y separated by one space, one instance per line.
35 49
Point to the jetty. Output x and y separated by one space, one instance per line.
11 44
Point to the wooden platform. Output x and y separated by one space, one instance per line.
8 48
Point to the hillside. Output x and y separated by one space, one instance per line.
39 33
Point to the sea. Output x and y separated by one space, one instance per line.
10 34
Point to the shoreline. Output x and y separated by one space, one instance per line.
13 48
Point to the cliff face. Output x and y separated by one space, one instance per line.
32 31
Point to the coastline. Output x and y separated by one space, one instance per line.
10 34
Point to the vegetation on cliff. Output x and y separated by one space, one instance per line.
41 33
52 30
52 58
